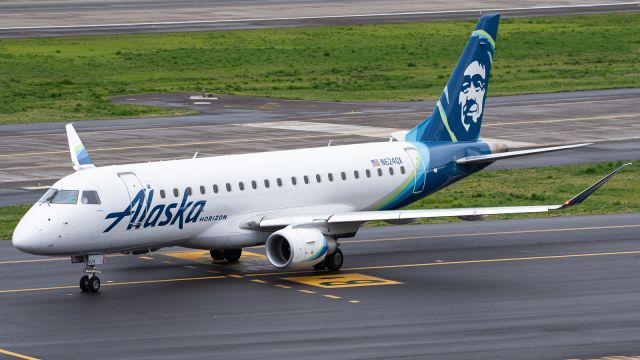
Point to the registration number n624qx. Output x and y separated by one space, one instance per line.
391 161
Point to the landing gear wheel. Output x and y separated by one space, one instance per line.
217 254
320 266
84 283
232 255
94 284
335 260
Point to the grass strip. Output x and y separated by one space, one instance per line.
71 78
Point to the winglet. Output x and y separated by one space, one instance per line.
591 189
79 155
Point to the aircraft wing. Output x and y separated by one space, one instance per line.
359 217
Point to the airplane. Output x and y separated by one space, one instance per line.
298 203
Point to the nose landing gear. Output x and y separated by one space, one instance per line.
90 282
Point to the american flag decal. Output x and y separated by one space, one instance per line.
375 162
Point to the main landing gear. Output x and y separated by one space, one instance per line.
89 282
332 262
231 255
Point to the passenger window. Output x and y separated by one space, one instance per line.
402 169
343 175
254 184
48 195
390 171
215 189
241 185
163 194
201 189
90 197
318 178
65 197
356 174
379 172
330 176
188 191
175 192
228 187
266 183
279 181
306 179
294 181
368 173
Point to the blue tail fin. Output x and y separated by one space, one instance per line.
458 113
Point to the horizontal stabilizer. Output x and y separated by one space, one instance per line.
79 155
511 154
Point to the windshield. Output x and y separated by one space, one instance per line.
48 195
65 197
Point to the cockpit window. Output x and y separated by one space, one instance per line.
48 195
65 197
90 197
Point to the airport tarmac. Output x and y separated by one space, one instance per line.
29 18
554 288
35 155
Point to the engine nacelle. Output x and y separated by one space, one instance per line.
298 247
472 217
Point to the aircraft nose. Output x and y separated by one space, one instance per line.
25 238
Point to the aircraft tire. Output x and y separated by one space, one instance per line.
334 261
84 283
217 254
320 266
94 284
232 255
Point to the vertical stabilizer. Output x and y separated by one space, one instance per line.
79 155
458 113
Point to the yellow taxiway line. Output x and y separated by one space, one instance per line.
195 255
515 232
8 262
118 283
460 262
396 266
19 356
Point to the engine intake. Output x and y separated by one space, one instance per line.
297 247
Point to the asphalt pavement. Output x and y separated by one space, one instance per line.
35 18
555 288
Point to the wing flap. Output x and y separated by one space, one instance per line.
364 216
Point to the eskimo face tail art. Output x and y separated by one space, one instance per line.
458 113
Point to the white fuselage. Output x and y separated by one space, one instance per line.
325 182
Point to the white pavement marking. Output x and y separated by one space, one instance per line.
511 144
340 129
360 130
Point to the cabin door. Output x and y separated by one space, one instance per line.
419 170
133 185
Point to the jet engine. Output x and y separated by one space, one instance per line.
298 247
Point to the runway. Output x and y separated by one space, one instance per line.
30 18
554 288
35 155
